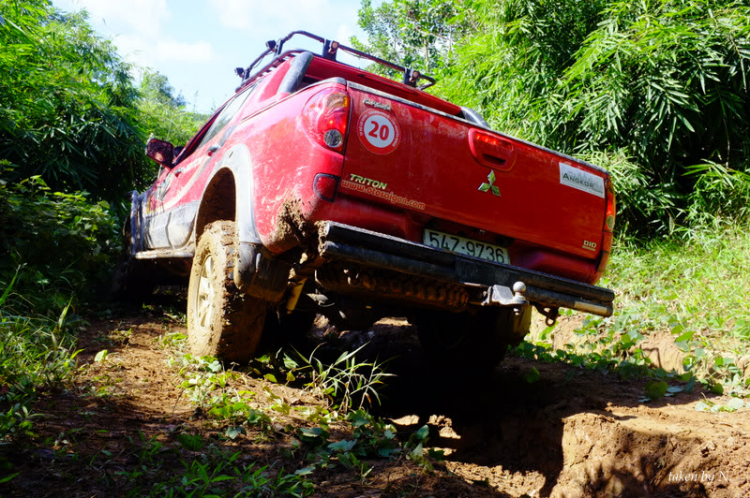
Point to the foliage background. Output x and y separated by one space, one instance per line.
69 109
73 128
654 90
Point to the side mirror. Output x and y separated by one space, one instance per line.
160 151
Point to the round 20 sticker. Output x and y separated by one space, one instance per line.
378 131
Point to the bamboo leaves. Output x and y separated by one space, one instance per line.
663 83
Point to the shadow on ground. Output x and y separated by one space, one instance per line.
572 432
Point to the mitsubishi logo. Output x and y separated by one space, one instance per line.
490 185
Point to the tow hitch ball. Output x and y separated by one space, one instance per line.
501 295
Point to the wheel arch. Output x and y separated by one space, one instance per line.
229 196
218 201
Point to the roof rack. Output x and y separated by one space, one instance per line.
330 49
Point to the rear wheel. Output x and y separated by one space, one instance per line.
222 321
472 341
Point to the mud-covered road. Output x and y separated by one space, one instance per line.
571 433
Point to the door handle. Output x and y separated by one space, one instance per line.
491 150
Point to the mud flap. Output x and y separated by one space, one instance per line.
259 274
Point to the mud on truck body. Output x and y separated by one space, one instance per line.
323 188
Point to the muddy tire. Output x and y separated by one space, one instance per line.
222 321
471 342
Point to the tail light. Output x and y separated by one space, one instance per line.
609 225
327 117
325 186
609 221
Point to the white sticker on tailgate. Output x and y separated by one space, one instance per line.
581 180
378 131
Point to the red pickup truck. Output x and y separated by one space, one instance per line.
323 188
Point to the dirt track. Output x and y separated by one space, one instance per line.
572 433
576 433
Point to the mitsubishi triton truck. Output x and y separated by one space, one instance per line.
321 188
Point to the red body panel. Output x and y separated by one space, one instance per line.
405 166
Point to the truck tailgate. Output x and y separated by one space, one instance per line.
445 168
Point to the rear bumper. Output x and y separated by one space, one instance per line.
347 244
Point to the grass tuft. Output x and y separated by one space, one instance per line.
693 289
35 352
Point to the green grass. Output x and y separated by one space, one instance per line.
303 434
693 288
35 352
697 290
699 285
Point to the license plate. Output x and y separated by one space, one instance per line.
467 247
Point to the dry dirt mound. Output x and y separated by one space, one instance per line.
572 433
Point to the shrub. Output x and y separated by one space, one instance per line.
59 244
